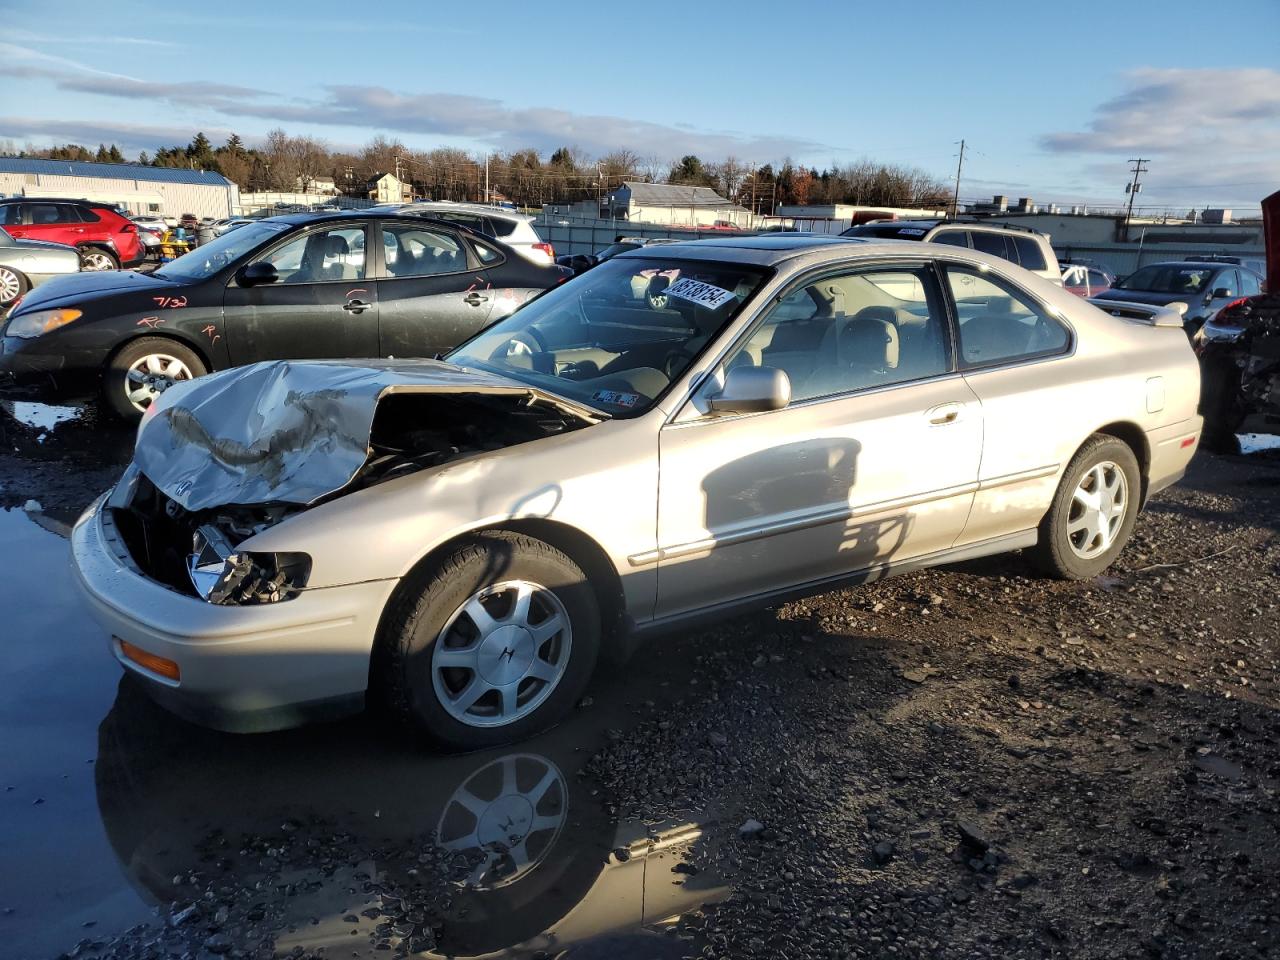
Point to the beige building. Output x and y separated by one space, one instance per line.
387 188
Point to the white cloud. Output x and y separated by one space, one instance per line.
1211 134
430 114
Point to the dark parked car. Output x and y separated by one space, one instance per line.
106 239
582 262
1204 286
302 286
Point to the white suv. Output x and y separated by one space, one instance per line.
1028 248
514 229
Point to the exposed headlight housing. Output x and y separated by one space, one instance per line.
39 322
220 574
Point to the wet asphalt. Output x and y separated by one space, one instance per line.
114 813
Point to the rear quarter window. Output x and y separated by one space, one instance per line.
996 244
1029 253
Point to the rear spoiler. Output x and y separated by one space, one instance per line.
1170 316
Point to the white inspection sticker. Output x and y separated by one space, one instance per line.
703 294
911 232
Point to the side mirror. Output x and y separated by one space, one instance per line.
1222 292
751 390
256 274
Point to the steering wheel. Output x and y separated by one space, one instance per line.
524 343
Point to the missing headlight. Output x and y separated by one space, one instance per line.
222 575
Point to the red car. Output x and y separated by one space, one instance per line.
106 240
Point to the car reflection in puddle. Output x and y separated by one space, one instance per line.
339 837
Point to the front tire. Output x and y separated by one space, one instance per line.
492 644
95 258
13 284
1093 512
143 369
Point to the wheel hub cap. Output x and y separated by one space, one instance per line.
501 654
505 655
1098 508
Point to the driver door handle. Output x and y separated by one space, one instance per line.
356 306
944 413
474 299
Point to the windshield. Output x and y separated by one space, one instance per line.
615 337
1163 278
207 259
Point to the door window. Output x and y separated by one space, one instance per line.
1000 323
1227 278
854 331
421 252
46 213
1249 285
10 214
320 255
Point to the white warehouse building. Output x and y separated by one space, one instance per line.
160 191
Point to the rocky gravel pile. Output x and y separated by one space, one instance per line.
976 762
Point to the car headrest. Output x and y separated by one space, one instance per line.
336 246
869 342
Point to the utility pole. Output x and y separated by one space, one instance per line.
1132 189
955 200
486 176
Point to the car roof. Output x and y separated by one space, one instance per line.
766 250
80 200
928 223
1197 264
450 206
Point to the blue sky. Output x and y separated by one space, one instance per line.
1051 98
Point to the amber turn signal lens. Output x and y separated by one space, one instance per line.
166 668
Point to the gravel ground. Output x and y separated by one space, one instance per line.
965 762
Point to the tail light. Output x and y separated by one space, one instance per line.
129 228
546 248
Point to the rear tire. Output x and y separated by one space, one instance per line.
1093 512
492 644
95 258
13 284
143 369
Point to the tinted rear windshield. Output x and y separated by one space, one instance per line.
887 231
1170 279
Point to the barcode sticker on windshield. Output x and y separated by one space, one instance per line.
617 398
703 294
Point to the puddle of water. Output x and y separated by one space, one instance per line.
506 849
1219 766
56 682
43 414
1258 442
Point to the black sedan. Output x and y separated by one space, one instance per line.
304 286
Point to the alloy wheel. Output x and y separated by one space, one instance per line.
1098 507
96 260
152 375
501 654
10 286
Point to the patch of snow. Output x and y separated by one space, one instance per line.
1258 442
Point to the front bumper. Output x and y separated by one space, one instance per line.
27 372
249 668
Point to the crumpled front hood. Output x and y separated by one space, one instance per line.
286 431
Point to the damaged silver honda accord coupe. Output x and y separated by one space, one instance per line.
682 432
